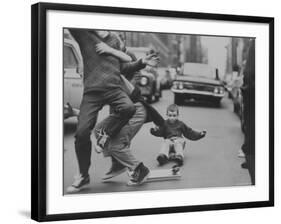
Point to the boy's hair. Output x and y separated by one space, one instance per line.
173 108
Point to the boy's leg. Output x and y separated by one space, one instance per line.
89 108
165 148
123 108
179 144
163 156
119 145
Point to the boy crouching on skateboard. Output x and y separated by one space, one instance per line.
173 131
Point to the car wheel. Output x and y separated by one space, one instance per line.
178 99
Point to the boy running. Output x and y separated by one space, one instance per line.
102 85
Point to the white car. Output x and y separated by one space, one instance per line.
73 75
198 81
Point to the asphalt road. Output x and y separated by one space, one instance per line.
209 162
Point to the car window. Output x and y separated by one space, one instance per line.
69 59
199 70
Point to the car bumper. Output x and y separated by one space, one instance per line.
196 93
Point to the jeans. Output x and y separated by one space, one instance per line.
119 146
177 143
91 104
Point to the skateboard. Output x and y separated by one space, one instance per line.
164 174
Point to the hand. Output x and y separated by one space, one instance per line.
203 133
151 59
156 128
102 48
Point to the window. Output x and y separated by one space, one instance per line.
69 59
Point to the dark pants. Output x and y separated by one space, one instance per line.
92 103
249 137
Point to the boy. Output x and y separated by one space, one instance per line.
102 85
173 132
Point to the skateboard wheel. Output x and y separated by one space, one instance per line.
175 169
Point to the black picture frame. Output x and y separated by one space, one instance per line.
39 108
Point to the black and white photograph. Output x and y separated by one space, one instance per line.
140 111
150 111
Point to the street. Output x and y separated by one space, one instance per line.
209 162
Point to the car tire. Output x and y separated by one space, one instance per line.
178 99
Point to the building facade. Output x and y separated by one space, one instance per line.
173 49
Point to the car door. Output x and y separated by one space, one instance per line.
73 80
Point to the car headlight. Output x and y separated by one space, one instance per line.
221 90
216 90
180 86
143 81
175 85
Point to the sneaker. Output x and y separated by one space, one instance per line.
179 160
162 159
78 184
115 170
97 148
241 154
102 139
139 175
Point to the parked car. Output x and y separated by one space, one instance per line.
235 93
147 81
241 112
198 81
73 76
165 77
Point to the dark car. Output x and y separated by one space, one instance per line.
234 87
147 79
198 82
